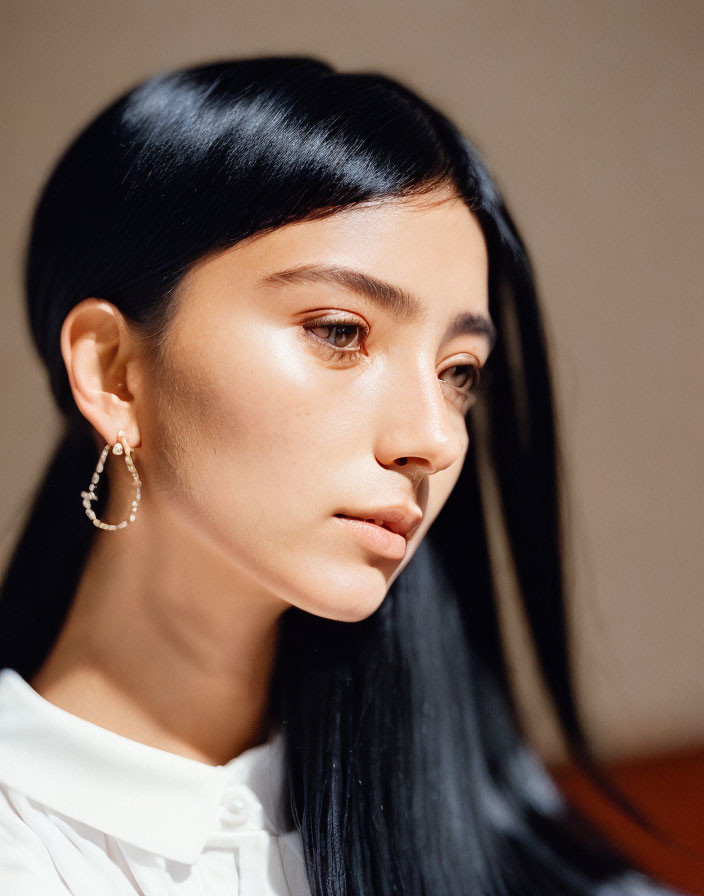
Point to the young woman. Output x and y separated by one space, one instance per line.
267 660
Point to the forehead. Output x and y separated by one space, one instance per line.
433 239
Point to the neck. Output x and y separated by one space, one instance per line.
167 643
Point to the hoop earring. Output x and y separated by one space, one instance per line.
120 447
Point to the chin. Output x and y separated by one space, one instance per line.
359 613
346 612
342 606
337 590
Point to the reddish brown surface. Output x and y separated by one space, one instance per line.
669 790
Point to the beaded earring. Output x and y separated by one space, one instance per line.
120 447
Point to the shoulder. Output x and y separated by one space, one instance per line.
25 863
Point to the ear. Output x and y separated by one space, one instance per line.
102 363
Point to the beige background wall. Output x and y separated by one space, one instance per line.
590 114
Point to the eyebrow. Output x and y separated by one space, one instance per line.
403 305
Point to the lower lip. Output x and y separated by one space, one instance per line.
383 541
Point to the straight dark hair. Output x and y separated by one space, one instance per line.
408 771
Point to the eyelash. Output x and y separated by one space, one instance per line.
350 355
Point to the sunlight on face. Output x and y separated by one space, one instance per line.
293 384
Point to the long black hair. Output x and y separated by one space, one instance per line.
408 771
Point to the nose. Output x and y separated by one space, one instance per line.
419 428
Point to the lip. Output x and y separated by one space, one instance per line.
390 534
403 519
382 541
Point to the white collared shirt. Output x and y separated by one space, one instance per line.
86 811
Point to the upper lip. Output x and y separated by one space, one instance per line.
401 518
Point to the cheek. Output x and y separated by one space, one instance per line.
242 416
260 445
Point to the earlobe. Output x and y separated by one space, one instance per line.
97 349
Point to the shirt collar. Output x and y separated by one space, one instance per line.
153 799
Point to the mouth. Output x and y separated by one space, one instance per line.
379 523
379 538
401 519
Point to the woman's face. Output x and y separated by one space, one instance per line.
296 378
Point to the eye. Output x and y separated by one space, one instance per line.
336 335
467 376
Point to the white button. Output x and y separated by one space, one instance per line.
238 807
235 811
